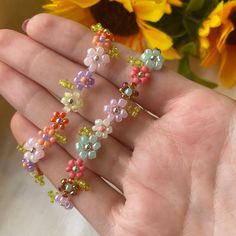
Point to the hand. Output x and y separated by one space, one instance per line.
176 173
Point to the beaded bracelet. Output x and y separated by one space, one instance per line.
34 149
118 110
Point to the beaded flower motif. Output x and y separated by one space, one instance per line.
128 91
75 168
34 150
64 201
68 187
103 38
59 120
102 128
46 137
87 147
152 59
84 79
115 111
140 75
96 58
28 165
72 101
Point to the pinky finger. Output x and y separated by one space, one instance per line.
99 206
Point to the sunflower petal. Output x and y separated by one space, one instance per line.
227 67
177 3
227 28
171 54
158 39
126 3
155 37
168 9
149 10
215 21
85 4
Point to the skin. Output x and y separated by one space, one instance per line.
175 174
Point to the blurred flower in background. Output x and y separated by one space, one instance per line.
181 29
126 19
218 41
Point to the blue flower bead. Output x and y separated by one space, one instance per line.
87 147
152 59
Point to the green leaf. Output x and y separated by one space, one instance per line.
189 49
191 26
195 5
208 7
185 70
171 24
203 82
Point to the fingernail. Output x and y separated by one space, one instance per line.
24 25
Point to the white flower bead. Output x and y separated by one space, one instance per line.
102 128
72 101
34 151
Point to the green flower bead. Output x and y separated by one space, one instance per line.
92 155
87 147
96 146
152 59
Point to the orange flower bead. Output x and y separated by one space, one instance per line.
103 39
59 120
46 137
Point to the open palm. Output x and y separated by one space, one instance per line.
175 174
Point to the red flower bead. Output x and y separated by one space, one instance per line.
140 75
59 120
75 168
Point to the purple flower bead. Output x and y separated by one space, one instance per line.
28 165
64 201
116 110
84 80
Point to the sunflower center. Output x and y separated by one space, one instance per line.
114 16
232 36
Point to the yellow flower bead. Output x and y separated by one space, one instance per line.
66 84
60 138
133 109
85 131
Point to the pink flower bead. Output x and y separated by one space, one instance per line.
96 58
115 111
140 75
75 168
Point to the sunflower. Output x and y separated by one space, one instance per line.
127 19
218 41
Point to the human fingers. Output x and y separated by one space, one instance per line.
37 105
99 205
46 67
155 96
